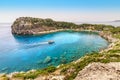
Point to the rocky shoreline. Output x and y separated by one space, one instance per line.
100 71
109 38
59 30
23 26
36 26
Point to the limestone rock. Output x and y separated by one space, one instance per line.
47 59
100 71
29 25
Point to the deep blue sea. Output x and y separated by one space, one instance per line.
23 53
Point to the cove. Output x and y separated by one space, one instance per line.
23 53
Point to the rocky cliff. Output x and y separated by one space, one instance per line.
100 71
29 25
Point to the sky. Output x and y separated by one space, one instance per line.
61 10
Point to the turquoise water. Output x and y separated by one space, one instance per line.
23 53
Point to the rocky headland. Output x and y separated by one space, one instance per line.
34 26
31 26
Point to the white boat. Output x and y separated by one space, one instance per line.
50 42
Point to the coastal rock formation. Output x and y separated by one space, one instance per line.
51 77
29 25
100 71
47 59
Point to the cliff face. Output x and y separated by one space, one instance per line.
100 71
28 25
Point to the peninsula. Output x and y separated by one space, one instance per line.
31 26
35 26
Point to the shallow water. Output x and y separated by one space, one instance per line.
23 53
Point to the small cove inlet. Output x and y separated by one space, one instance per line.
23 53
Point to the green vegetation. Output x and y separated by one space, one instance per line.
34 74
93 57
38 22
28 25
70 70
4 77
116 30
112 55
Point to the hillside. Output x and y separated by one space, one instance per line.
31 26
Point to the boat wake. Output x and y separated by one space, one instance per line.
27 46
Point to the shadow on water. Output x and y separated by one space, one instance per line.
41 44
30 41
32 38
23 38
39 38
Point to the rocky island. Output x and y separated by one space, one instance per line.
88 67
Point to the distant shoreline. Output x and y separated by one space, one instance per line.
59 30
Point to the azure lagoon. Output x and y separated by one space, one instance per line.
23 53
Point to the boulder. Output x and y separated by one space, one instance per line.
47 59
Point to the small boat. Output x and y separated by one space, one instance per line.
51 42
